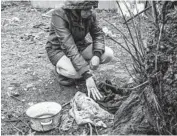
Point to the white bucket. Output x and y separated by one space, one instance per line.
44 116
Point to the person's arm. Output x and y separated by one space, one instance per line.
68 45
98 49
97 37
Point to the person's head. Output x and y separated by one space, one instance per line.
83 7
85 13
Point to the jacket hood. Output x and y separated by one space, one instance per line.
80 4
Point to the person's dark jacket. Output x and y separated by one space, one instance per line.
67 36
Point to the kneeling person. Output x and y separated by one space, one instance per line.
68 49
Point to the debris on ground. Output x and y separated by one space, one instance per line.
108 32
113 96
85 110
66 122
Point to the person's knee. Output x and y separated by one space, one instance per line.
65 68
108 55
70 73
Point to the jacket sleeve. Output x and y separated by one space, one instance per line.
68 45
97 36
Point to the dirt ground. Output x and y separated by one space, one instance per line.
27 70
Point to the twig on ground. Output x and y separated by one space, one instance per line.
139 85
14 120
15 97
22 121
169 132
144 83
174 125
65 104
91 131
17 129
96 131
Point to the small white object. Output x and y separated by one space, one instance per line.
29 86
15 19
44 116
107 32
131 80
105 29
30 103
10 88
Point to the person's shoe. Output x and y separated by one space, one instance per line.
64 80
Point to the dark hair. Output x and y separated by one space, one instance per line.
69 11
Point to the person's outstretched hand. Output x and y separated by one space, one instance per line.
92 89
94 62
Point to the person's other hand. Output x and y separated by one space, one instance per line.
94 62
92 89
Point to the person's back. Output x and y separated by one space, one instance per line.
77 26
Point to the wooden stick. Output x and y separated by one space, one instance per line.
17 129
139 85
14 120
22 121
137 14
144 83
96 130
91 131
65 104
15 97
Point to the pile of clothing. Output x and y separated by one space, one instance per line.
99 113
113 96
85 110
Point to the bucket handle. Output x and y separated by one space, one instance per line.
46 123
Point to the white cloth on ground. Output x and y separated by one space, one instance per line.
86 110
